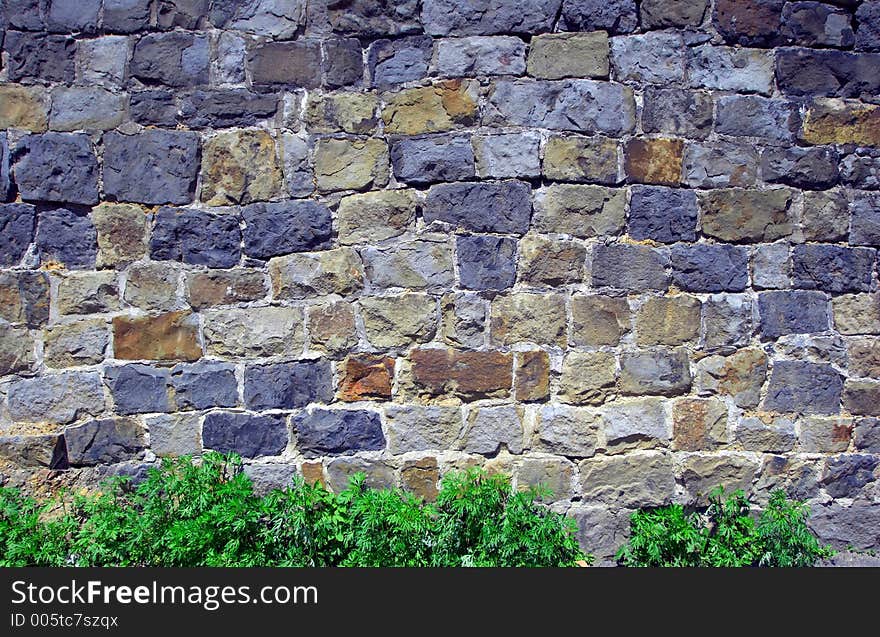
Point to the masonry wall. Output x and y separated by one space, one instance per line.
624 249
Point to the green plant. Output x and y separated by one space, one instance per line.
207 514
724 535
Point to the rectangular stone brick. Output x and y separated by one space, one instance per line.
169 336
287 385
253 331
832 121
580 210
572 105
196 237
857 313
365 377
464 374
657 58
508 155
792 312
485 207
176 58
532 376
657 371
286 63
747 215
802 387
558 55
634 268
480 55
587 378
337 432
582 159
774 121
599 320
731 69
526 317
677 112
430 109
420 428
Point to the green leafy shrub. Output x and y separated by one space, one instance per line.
724 535
207 514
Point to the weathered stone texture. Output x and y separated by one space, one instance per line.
624 248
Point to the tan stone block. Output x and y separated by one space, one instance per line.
122 233
599 320
532 376
670 320
833 121
430 109
169 336
526 317
699 424
240 167
399 320
654 161
586 159
588 378
553 56
345 164
25 107
375 216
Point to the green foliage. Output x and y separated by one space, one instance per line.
207 514
725 535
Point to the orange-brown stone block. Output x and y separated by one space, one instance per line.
366 376
533 376
172 336
654 161
463 374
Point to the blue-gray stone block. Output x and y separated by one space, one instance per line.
196 237
287 385
248 435
273 229
486 262
338 432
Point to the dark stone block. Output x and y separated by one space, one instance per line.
196 237
36 56
488 17
677 112
868 17
138 389
227 107
295 64
338 432
486 262
845 475
749 22
487 207
393 62
153 108
17 221
126 16
371 18
710 267
343 63
58 167
433 159
287 385
151 167
809 388
811 72
792 312
189 14
245 434
662 214
817 24
629 267
104 441
273 229
67 16
832 268
68 237
807 168
865 229
204 385
28 15
175 59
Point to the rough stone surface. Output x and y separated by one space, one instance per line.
582 159
337 432
55 398
668 321
633 268
239 168
747 215
432 159
468 375
196 237
528 317
492 207
417 428
809 388
568 105
104 441
507 155
558 55
375 216
253 332
587 378
625 248
582 211
169 336
480 55
486 262
400 320
709 267
642 479
599 320
247 435
662 214
151 167
488 429
56 167
273 229
337 271
663 372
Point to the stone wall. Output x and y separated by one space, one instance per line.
626 249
